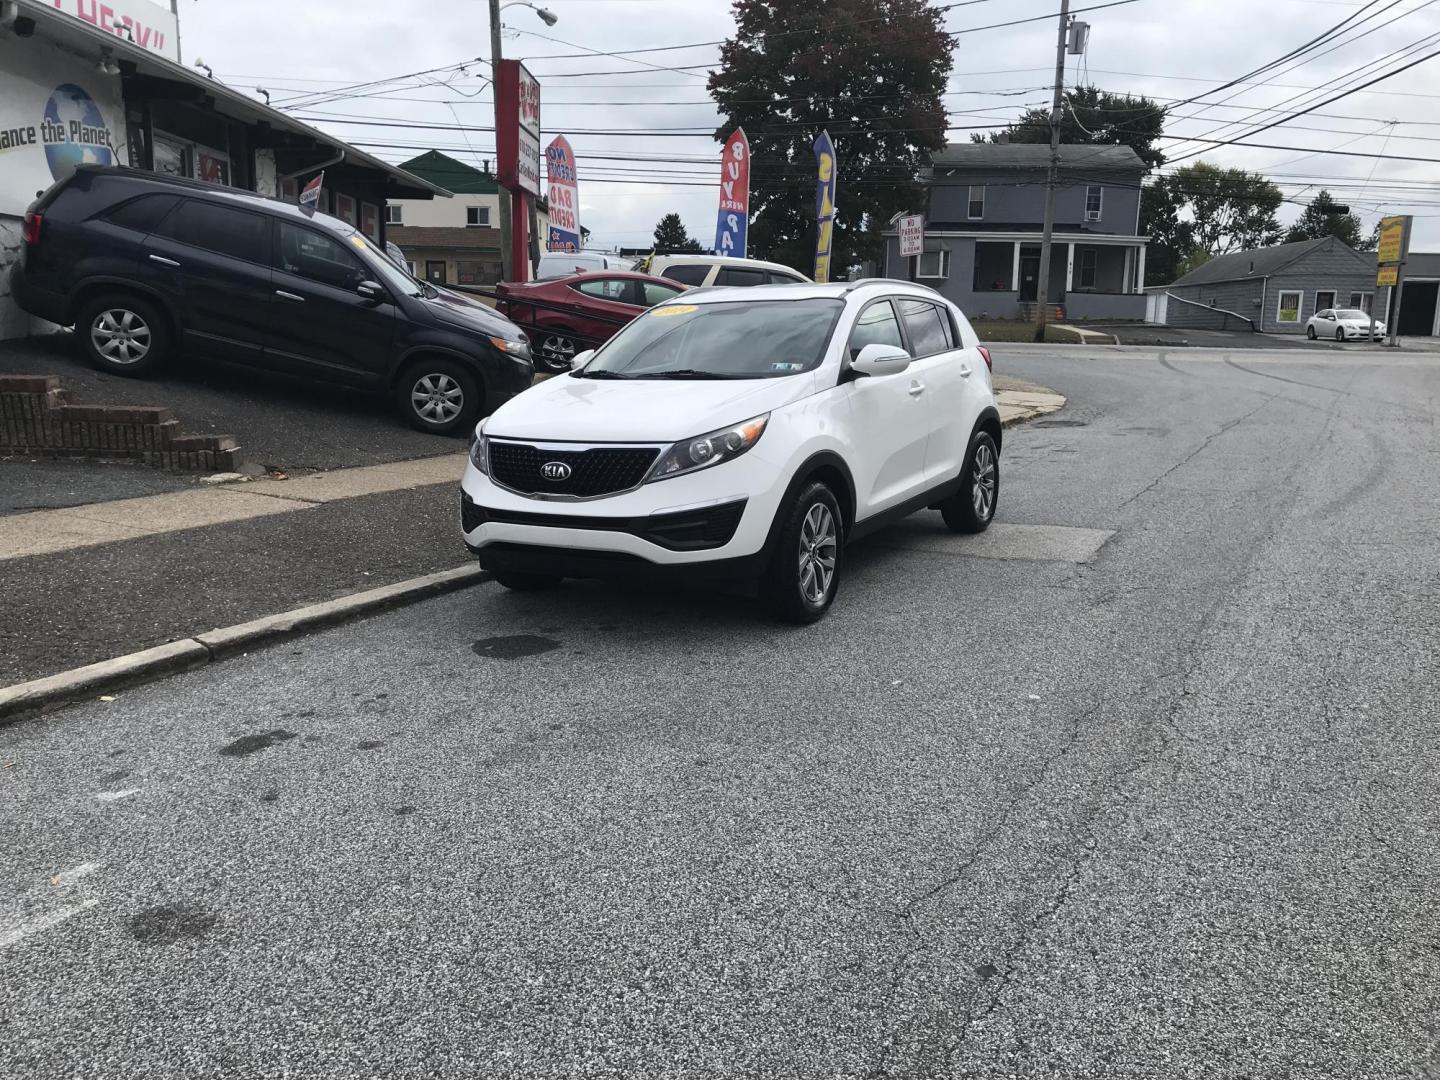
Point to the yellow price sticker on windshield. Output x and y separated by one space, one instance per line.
673 309
359 241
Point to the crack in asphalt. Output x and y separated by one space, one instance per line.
1196 452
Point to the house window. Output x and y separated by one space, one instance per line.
1362 300
1094 201
1288 308
976 205
1088 259
394 215
477 215
934 264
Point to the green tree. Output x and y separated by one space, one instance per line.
1322 218
1202 207
670 236
872 73
1094 116
1171 241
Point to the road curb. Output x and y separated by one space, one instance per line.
38 695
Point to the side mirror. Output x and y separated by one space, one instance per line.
579 360
371 290
878 359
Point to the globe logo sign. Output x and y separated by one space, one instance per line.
74 132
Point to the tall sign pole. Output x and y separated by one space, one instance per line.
1052 173
1390 258
506 266
517 146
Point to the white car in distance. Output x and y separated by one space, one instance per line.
741 434
1342 324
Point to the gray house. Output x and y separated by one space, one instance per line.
985 215
1277 288
1420 302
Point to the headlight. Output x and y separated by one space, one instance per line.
520 350
709 449
479 451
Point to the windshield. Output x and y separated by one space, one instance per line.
394 277
763 339
1351 313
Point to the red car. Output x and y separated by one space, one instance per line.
565 316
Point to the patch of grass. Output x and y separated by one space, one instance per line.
1014 330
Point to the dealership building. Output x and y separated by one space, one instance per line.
90 82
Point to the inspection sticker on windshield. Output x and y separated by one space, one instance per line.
781 365
673 309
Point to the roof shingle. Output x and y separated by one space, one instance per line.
1074 157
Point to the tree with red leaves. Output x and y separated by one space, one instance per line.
872 73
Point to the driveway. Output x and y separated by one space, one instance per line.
280 425
1145 783
1180 337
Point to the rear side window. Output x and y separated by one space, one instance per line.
603 288
929 331
652 293
219 229
734 275
687 274
875 326
143 214
774 277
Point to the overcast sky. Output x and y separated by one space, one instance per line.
1167 49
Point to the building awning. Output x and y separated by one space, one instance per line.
87 41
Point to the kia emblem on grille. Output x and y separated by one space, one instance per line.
555 470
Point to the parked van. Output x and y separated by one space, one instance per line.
557 264
700 270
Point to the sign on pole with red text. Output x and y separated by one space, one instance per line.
564 196
912 235
734 217
310 193
517 141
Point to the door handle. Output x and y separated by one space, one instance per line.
964 371
916 389
289 296
163 261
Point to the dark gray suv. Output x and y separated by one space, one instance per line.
145 266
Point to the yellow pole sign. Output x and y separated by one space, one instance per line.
1392 240
1388 275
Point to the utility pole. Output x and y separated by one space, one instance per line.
507 264
175 10
1053 173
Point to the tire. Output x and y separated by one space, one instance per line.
1310 332
1339 333
972 508
556 349
804 573
439 395
123 334
518 582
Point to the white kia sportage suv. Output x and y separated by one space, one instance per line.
741 433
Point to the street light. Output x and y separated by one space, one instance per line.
549 18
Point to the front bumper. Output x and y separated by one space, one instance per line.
714 522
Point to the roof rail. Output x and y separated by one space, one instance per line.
887 280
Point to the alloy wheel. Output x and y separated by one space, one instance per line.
437 398
120 336
819 546
558 350
982 488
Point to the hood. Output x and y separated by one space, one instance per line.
642 410
461 311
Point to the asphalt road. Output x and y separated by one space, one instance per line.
1174 812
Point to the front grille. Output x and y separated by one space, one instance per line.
601 470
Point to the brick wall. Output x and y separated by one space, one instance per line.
36 418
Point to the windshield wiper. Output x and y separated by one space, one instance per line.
599 373
692 373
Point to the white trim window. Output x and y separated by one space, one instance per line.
1094 202
975 202
394 215
1362 300
1288 306
477 215
933 264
